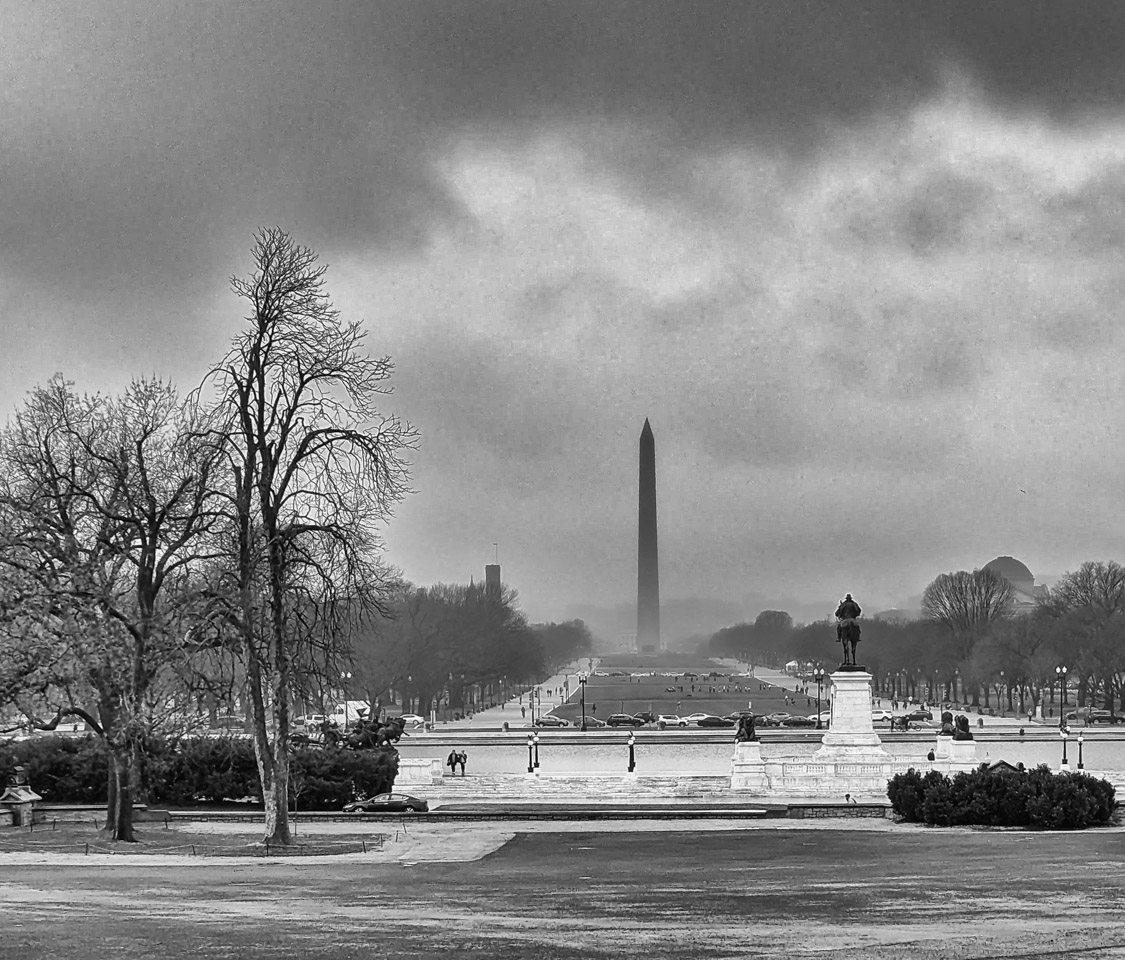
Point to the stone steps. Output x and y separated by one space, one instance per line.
576 789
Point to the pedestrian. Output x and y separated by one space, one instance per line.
930 756
462 756
451 762
523 712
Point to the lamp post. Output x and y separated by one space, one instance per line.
530 764
1063 731
819 675
633 756
1060 672
582 682
535 740
1080 750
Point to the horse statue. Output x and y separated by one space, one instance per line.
847 629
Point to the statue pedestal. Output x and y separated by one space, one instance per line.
852 732
747 768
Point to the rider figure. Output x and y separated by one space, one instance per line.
847 610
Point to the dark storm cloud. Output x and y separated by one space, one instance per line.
137 135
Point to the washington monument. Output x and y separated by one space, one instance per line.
648 566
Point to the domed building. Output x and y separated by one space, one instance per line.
1025 593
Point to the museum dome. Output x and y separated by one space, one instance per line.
1010 569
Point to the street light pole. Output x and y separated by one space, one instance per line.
530 765
633 756
819 684
582 682
1060 672
536 740
1080 750
1063 731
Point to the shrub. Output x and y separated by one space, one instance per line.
327 779
190 771
987 797
907 791
60 769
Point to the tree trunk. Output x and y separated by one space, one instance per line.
274 775
119 809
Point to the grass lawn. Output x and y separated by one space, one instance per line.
888 892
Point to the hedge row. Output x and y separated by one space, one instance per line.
1003 798
74 770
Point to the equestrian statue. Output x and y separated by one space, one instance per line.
847 630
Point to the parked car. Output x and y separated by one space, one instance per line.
624 720
710 721
739 714
412 719
388 803
1089 715
919 714
825 717
775 719
312 720
671 720
695 717
590 722
550 720
799 722
877 715
646 717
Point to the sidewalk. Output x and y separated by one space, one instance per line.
562 685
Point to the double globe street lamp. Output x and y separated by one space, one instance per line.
633 756
1060 672
582 682
819 676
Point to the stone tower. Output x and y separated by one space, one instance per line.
648 566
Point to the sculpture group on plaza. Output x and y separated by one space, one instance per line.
366 733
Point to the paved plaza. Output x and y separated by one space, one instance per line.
873 891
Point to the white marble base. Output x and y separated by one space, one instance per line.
417 772
747 769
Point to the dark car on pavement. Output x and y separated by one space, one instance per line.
550 720
624 720
919 714
590 722
646 717
1089 715
799 722
388 803
714 722
774 719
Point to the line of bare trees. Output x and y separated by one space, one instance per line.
973 646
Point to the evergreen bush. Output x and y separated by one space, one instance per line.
1003 798
197 770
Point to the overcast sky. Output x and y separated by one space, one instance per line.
859 264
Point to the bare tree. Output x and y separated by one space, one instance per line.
966 604
1088 607
314 471
105 505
